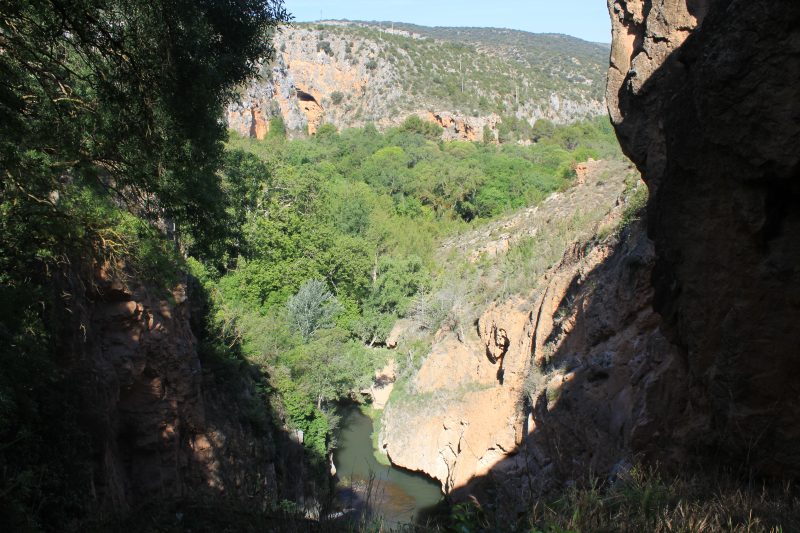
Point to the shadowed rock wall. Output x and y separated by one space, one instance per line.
705 97
163 424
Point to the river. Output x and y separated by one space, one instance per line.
397 495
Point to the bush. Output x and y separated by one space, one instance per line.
337 97
277 128
429 130
636 204
312 308
325 46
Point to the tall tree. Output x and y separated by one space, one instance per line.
110 111
127 96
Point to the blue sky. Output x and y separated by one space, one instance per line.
587 19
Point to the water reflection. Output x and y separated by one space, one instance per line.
395 494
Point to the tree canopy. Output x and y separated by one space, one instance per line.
111 139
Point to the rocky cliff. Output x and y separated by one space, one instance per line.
676 342
705 100
565 376
165 426
349 75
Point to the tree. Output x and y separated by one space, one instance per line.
277 128
429 130
388 168
312 308
106 106
126 96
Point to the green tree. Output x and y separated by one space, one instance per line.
277 128
429 130
106 106
312 308
387 168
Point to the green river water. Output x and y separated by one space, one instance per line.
397 495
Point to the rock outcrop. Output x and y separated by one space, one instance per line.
473 396
460 128
705 100
162 427
673 344
352 75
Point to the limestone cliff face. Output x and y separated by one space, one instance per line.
572 377
673 343
578 377
161 426
351 76
705 100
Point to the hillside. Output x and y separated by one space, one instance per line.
349 74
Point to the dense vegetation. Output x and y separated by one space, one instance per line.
109 135
113 156
111 146
335 236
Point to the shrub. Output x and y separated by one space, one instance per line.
415 124
277 128
636 204
325 46
312 308
337 97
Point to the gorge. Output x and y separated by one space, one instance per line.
564 323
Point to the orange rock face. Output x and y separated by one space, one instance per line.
475 398
463 128
309 105
260 125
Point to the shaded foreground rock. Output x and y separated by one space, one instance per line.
163 425
705 98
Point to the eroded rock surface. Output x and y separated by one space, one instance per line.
705 100
335 73
162 426
473 397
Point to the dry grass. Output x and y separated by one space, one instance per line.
642 500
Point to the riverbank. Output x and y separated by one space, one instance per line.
367 486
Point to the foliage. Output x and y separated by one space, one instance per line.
312 308
325 46
642 499
354 217
427 129
700 504
277 128
636 204
112 154
110 142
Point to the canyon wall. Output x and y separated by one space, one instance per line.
705 98
573 376
350 76
164 425
675 343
